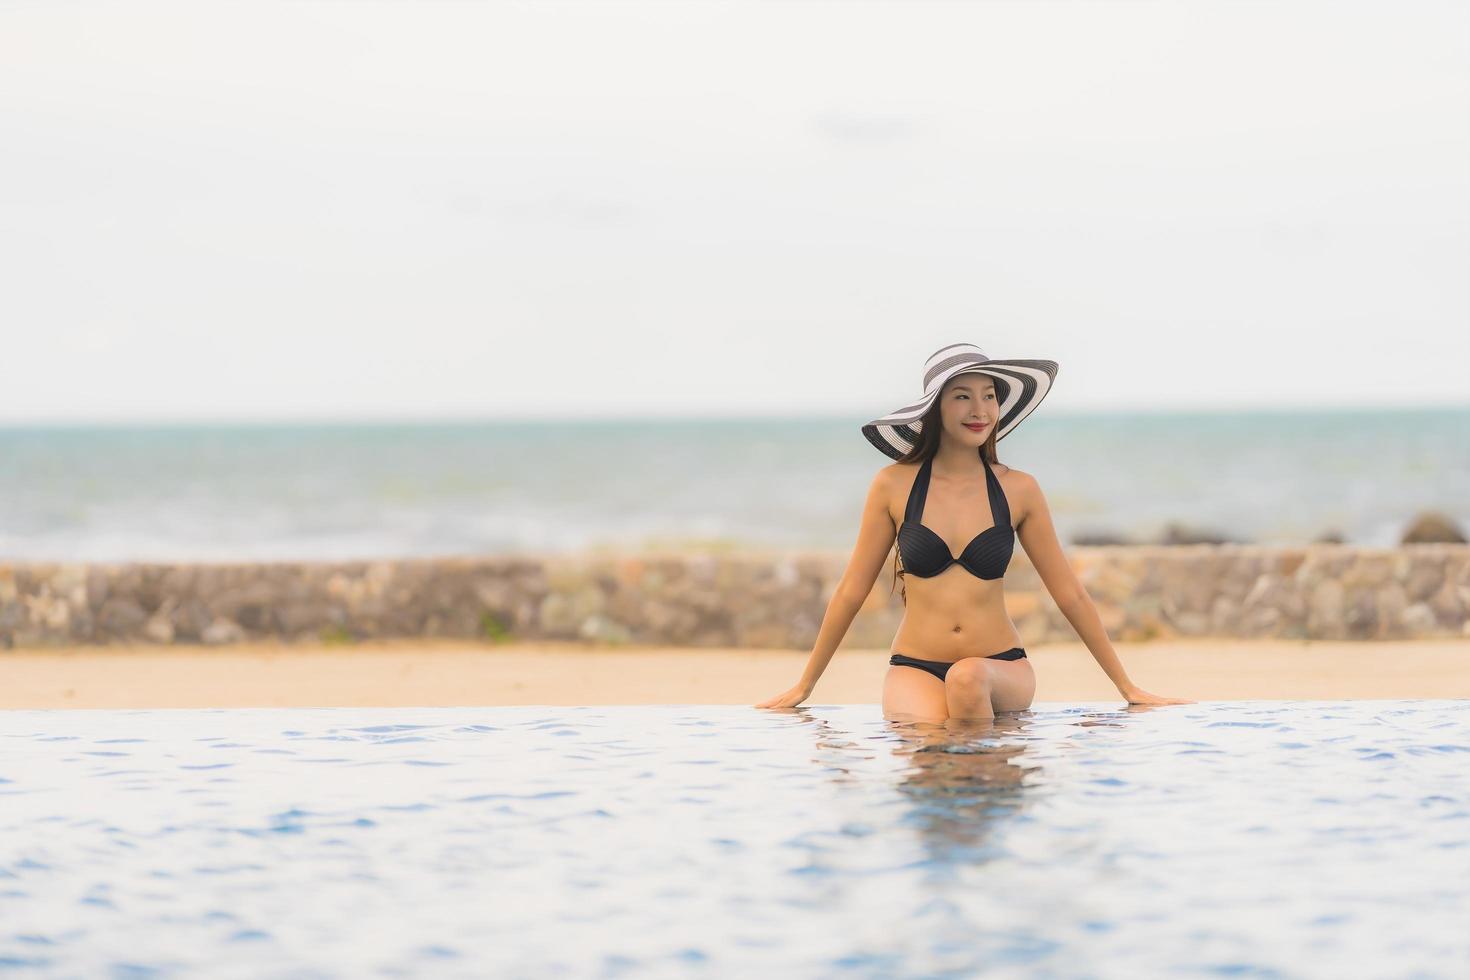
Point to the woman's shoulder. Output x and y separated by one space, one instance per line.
1013 475
898 477
1020 487
895 469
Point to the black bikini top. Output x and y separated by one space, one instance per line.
925 554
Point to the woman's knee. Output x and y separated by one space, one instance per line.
971 675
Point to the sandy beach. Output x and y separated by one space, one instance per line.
426 673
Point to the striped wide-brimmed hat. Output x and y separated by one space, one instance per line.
1019 385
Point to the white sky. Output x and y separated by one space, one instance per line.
334 210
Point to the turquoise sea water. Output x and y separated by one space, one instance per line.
341 492
1250 839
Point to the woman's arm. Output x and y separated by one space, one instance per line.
874 541
1039 537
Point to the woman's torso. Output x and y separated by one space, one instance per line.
953 614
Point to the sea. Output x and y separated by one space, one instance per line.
1253 839
539 487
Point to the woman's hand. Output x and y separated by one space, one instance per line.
787 699
1137 695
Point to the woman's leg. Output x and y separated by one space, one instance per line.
977 687
911 694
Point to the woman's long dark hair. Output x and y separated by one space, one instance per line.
925 448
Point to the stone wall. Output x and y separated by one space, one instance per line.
776 601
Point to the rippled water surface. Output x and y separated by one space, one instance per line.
1251 839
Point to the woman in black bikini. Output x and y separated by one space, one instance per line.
945 443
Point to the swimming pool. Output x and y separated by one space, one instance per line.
1255 839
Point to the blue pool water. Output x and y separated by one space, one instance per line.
1247 839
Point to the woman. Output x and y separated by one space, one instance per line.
947 486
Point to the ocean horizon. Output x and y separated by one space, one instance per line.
357 490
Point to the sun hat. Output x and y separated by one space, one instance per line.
1020 386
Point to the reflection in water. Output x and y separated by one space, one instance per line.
963 781
963 785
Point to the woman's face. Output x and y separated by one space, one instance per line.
969 409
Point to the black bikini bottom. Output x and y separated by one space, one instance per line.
941 667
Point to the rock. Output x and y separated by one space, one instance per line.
1190 623
1447 603
1262 590
98 584
1099 539
1113 617
48 611
1291 599
1419 620
1261 621
190 619
83 625
1152 627
1113 581
1392 603
1224 617
222 631
1361 620
1177 534
558 620
1193 592
298 617
600 629
1325 610
494 593
1431 527
120 617
1368 570
1424 577
771 600
159 628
